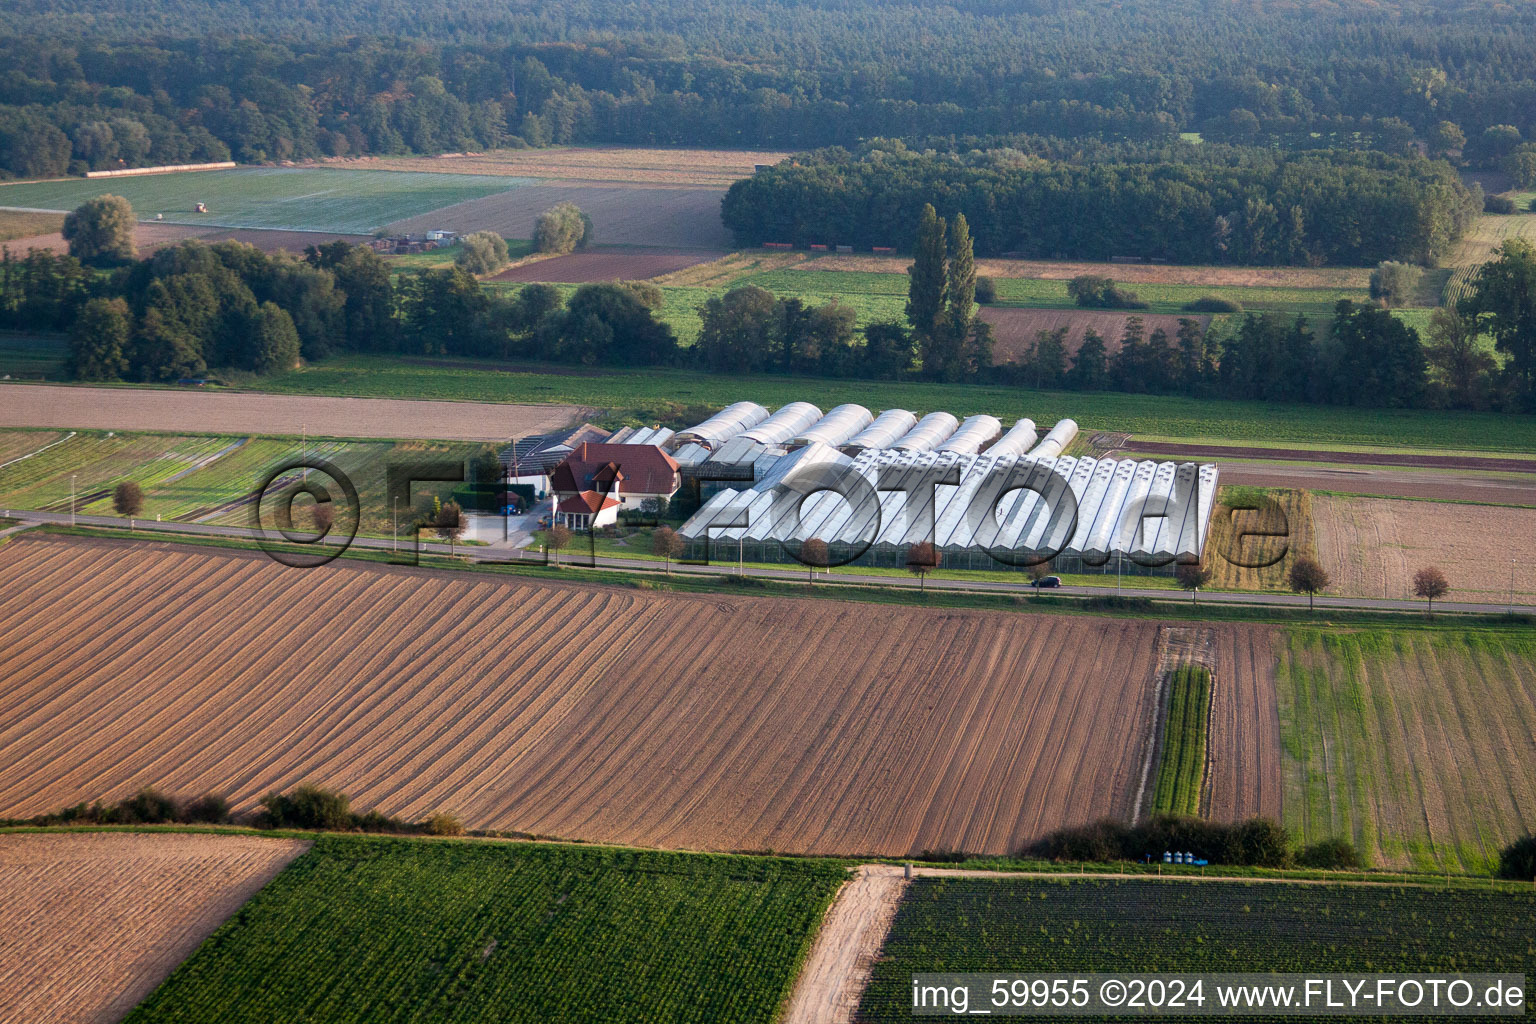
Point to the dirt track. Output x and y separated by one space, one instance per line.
601 714
212 412
838 968
91 922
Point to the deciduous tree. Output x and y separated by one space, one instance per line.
1307 577
100 231
1430 583
128 500
667 544
922 559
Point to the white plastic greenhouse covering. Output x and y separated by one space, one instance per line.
1020 438
929 432
837 426
888 428
726 423
641 435
1055 442
1147 510
789 421
974 434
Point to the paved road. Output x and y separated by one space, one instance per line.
575 558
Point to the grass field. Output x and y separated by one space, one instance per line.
618 164
1044 926
1417 745
384 930
1164 416
309 199
202 478
1161 298
1181 771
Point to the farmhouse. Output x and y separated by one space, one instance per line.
625 474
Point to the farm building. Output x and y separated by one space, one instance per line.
984 496
628 474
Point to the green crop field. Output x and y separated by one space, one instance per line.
1044 926
291 198
1162 416
393 930
33 355
1181 772
1417 745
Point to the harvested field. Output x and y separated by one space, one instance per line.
21 224
582 712
621 214
1373 546
147 236
91 922
1487 233
721 272
1246 534
1418 746
607 265
719 167
1014 330
1127 273
35 405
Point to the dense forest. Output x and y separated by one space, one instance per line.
1213 205
91 84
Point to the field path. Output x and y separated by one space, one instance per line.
837 971
91 922
212 412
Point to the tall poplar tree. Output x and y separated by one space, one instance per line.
927 277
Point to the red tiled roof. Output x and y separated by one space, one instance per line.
588 502
639 469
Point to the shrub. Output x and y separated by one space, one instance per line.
1329 853
1498 204
307 807
482 252
444 824
562 228
1257 842
1393 283
986 290
944 856
1213 304
1091 290
1118 604
148 806
210 807
1518 859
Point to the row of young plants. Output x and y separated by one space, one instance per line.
1147 925
1181 771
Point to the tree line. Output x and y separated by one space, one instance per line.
131 85
1238 207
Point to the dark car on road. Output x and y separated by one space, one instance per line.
1046 582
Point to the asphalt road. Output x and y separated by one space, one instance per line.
575 558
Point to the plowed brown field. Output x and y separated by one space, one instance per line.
1014 329
91 922
580 712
